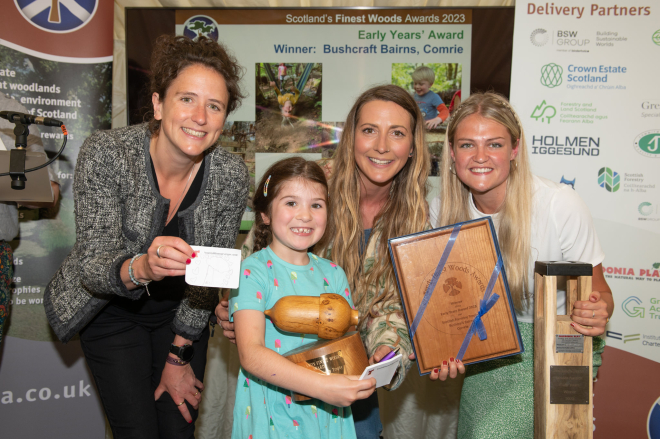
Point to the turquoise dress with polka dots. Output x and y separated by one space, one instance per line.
263 410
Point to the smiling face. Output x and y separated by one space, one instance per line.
287 109
383 142
422 87
192 112
297 219
482 152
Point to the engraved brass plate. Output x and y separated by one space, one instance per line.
569 343
569 384
330 363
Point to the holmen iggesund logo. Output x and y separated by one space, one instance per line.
57 16
551 75
648 143
609 180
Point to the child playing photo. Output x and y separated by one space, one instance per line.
291 207
433 108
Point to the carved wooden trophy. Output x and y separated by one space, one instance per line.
563 387
329 316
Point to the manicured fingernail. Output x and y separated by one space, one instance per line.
458 361
188 261
435 370
444 363
194 255
573 325
451 359
190 422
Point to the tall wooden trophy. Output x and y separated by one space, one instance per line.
329 316
563 387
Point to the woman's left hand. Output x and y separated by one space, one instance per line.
592 312
181 384
449 369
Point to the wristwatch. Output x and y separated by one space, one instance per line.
185 353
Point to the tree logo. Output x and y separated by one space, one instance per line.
57 16
656 37
200 25
645 208
452 286
609 180
630 309
544 111
551 75
648 143
539 37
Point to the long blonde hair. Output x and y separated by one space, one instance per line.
405 211
514 232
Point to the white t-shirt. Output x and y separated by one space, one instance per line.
562 230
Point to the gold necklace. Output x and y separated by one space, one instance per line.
174 210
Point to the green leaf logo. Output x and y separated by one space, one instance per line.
551 75
609 180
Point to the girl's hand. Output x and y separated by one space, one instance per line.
181 384
167 256
222 314
449 368
592 312
344 390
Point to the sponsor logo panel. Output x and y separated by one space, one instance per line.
57 16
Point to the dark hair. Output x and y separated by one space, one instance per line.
172 54
279 173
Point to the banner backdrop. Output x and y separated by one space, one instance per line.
56 60
584 81
330 57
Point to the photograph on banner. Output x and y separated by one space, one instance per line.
79 96
288 101
434 86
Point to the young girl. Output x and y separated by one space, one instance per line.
291 206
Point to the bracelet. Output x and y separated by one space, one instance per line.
175 362
132 276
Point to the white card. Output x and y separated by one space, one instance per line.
214 267
383 372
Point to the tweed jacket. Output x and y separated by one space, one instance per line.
119 212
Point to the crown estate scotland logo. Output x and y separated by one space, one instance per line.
57 16
551 75
656 37
609 180
648 143
539 37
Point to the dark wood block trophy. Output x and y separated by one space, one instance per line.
329 316
563 387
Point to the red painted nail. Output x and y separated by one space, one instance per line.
188 261
573 325
458 361
435 370
190 422
444 363
451 359
194 255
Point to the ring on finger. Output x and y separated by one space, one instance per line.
158 250
593 314
181 403
196 393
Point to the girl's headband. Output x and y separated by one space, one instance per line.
266 186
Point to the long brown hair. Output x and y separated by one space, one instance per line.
514 232
405 211
270 185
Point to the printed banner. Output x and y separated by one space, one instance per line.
584 81
55 60
320 60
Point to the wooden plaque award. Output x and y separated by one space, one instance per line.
455 294
329 316
563 387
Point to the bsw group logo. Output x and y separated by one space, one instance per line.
57 16
539 37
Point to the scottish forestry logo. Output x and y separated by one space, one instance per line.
543 112
57 16
551 75
609 180
648 143
200 25
539 37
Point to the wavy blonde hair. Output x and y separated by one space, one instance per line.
515 227
405 211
